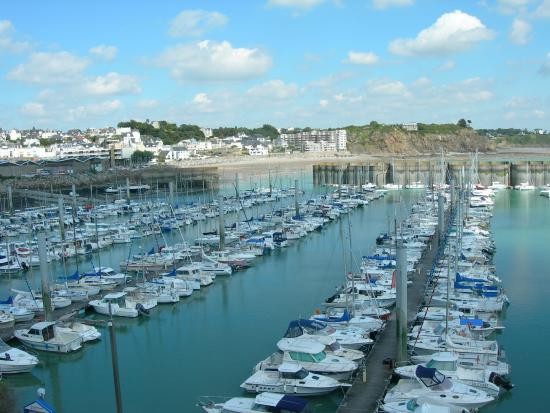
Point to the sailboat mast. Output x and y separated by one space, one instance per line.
48 316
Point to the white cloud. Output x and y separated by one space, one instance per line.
111 84
543 10
387 87
104 51
195 22
33 109
213 61
384 4
92 110
202 99
273 89
452 32
49 68
323 103
339 97
537 113
6 41
520 32
147 103
446 66
295 4
362 58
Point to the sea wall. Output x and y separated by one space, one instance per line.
433 171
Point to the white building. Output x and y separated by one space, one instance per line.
123 131
257 150
317 140
14 135
411 126
178 153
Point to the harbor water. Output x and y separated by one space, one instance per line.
208 344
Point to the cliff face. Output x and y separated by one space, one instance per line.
394 140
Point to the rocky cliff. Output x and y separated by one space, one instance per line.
384 139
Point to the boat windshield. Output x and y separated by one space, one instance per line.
442 365
334 346
319 356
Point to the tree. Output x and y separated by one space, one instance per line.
142 157
462 123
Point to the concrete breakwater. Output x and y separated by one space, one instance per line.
433 171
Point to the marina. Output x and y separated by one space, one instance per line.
220 313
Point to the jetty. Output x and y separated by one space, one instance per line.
370 384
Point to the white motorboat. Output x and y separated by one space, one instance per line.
192 273
213 267
20 314
115 304
496 185
524 186
480 376
337 318
164 294
182 287
109 274
332 347
138 300
415 185
263 402
87 332
13 360
311 355
392 187
431 385
46 336
349 337
290 378
420 406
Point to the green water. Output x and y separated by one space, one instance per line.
208 344
521 226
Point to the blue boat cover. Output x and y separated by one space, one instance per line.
462 278
296 327
292 403
476 322
75 276
8 301
171 273
429 376
38 406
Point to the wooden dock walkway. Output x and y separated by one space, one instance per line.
365 395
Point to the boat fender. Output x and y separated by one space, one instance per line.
141 309
500 381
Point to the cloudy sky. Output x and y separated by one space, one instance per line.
317 63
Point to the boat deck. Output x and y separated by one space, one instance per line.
365 395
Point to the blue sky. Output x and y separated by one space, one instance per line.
319 63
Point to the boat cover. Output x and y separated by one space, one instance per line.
9 301
282 402
429 376
38 406
475 322
296 327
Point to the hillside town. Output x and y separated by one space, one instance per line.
122 142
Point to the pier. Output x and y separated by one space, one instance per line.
370 385
434 170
